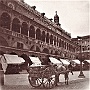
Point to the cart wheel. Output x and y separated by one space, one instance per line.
34 81
49 82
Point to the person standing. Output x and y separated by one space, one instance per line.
70 67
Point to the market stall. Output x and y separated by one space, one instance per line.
10 62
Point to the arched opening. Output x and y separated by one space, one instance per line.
3 42
45 50
38 34
16 25
32 32
24 28
51 39
47 38
5 20
43 36
37 49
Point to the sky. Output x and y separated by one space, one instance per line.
73 14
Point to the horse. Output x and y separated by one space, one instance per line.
61 69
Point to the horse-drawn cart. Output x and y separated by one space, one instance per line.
45 75
41 75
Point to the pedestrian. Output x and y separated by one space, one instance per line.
56 74
70 67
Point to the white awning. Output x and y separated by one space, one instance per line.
88 61
64 61
77 61
54 60
12 59
35 60
21 59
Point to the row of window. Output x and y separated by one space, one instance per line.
5 22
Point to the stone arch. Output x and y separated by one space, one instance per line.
24 28
32 31
45 50
19 44
3 42
5 20
38 34
16 25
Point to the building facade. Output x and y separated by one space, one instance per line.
84 43
25 31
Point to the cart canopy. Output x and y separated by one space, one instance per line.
64 61
35 60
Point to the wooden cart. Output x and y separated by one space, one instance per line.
42 76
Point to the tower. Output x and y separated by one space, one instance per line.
56 19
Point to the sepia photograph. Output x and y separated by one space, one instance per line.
44 45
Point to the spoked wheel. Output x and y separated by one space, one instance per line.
49 82
34 81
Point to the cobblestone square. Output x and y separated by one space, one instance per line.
20 82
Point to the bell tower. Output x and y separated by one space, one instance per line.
56 19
